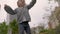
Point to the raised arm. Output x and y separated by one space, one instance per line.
31 4
9 10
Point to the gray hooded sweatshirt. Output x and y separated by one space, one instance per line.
21 12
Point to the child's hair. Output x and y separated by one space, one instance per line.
21 3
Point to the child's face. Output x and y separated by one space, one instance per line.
21 3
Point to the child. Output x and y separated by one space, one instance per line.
23 16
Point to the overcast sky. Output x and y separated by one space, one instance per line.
37 12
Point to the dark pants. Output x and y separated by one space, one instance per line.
24 27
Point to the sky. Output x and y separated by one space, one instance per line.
37 12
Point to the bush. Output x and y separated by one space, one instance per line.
14 26
58 29
49 31
3 28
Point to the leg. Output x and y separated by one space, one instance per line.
21 29
27 28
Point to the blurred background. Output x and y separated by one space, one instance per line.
44 16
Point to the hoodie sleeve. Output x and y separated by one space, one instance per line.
31 4
9 10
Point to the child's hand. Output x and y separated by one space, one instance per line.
6 5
